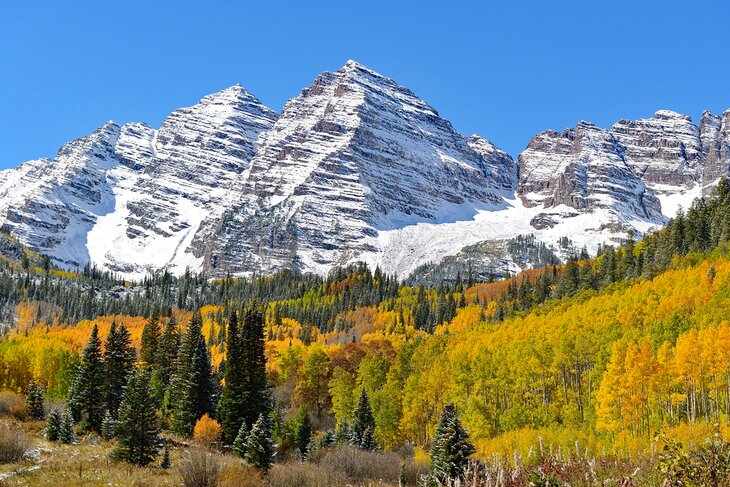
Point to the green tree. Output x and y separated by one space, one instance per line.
138 440
260 445
88 388
253 361
150 339
108 426
193 383
304 431
66 433
363 424
119 359
164 370
239 444
34 400
450 449
53 425
313 380
232 404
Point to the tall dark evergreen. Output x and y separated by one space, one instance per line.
450 449
150 339
193 387
89 383
137 429
119 358
362 434
256 400
164 369
232 404
304 431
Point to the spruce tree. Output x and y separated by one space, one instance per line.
108 425
193 384
66 433
119 359
34 401
164 370
363 424
239 444
231 406
137 429
304 431
256 401
150 339
260 446
53 425
450 449
89 384
165 463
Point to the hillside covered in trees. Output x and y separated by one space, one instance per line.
597 356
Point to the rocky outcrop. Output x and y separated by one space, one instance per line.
715 137
665 151
354 154
583 168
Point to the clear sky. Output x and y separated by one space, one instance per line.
493 68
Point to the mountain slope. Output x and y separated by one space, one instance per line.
354 154
356 168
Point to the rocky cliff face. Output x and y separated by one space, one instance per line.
354 154
583 168
356 167
715 139
665 151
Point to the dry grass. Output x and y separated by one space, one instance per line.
200 467
12 404
236 474
14 443
361 466
297 474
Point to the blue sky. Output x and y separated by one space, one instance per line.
494 68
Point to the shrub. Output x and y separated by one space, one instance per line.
361 465
297 474
13 444
235 474
200 468
207 431
12 404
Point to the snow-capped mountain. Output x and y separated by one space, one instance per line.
356 167
353 155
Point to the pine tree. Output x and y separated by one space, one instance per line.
450 449
150 339
343 433
34 400
164 370
253 350
304 431
53 425
239 444
137 430
119 358
193 384
66 433
165 463
363 424
231 405
89 384
108 425
327 440
260 446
